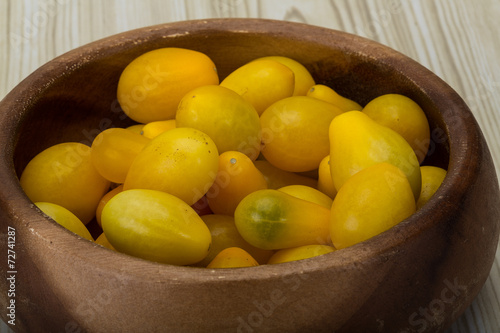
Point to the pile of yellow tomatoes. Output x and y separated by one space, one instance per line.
264 167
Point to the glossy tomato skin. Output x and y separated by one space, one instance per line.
151 86
181 161
226 117
63 174
156 226
273 220
369 203
295 132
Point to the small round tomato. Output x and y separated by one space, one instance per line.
261 82
404 116
182 161
157 226
64 175
295 132
113 151
226 117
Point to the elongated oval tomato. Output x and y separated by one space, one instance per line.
157 226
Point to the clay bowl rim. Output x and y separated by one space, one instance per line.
444 203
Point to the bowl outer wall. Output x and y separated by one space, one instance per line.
420 275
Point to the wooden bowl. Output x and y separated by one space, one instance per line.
418 276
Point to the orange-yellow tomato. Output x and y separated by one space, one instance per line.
113 151
182 162
233 257
151 86
156 226
64 175
295 132
261 82
370 202
237 177
404 116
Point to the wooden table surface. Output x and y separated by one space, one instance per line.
456 39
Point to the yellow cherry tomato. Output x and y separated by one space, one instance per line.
103 241
276 177
65 218
299 253
63 174
151 86
272 220
237 177
329 95
432 178
404 116
156 226
370 202
224 235
233 257
182 162
295 132
113 151
325 181
303 78
308 193
153 129
261 82
104 200
357 142
225 116
137 128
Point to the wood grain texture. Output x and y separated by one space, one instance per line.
457 40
